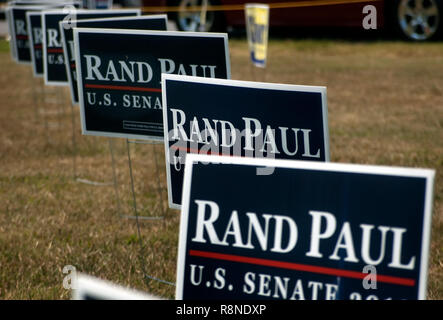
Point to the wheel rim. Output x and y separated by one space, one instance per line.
190 21
418 19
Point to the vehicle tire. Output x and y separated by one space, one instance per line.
190 21
418 20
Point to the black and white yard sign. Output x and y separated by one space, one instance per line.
53 59
239 118
120 85
306 231
149 22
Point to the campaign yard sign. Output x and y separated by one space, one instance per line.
53 59
307 231
120 85
148 22
91 288
240 118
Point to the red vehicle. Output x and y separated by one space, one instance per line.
413 19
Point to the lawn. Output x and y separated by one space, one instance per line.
385 105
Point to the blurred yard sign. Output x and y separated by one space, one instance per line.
257 25
53 59
307 231
44 2
149 22
120 85
35 34
240 118
90 288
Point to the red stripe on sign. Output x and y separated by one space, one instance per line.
22 37
55 50
301 267
38 46
126 88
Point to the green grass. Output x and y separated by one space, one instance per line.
385 107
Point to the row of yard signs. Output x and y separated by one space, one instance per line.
255 223
257 26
